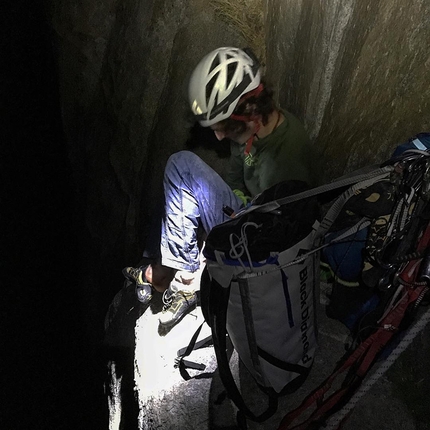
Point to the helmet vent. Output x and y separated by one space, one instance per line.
231 69
215 63
210 86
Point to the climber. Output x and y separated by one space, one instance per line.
268 145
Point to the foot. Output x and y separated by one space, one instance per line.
176 306
136 274
143 287
159 276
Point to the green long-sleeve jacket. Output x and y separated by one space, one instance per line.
284 154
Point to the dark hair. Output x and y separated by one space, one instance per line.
262 104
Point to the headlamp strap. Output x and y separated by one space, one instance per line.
251 138
246 118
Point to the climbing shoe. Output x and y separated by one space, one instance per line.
176 305
143 288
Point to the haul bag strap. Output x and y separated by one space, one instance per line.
290 367
249 324
336 208
255 350
369 178
183 364
190 365
184 352
218 314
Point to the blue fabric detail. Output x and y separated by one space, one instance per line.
346 258
352 320
234 262
420 141
194 195
287 298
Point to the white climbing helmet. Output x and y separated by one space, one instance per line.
219 81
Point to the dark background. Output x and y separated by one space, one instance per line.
52 368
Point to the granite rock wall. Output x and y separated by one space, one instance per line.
356 72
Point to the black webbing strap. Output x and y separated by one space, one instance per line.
218 314
370 176
200 344
183 364
249 324
289 367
